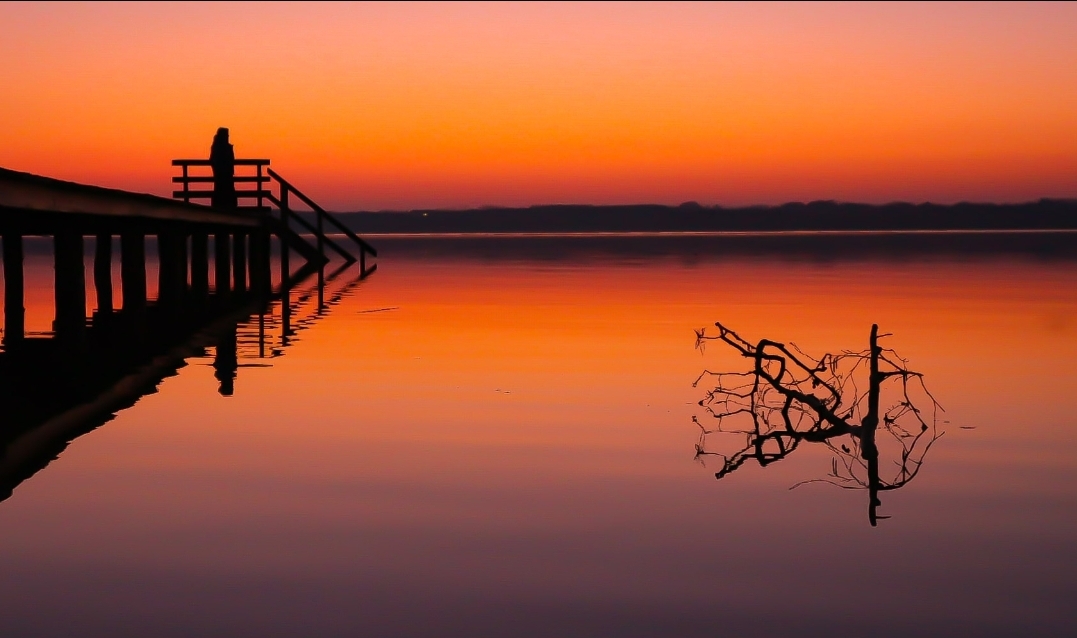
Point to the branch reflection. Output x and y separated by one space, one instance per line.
868 408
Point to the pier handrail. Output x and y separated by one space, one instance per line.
320 212
263 178
292 215
186 179
206 162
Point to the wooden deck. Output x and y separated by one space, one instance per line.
35 205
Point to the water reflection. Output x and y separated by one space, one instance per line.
789 397
55 388
374 482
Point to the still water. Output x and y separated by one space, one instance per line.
495 437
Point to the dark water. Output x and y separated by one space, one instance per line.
494 437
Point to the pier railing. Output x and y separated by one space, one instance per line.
186 180
265 179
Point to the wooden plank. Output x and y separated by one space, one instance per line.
206 162
204 194
209 179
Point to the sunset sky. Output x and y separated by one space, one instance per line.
402 106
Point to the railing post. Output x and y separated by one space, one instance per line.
258 185
186 186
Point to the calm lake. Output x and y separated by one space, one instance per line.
494 437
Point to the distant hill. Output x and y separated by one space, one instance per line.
814 216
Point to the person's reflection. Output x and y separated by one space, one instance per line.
226 363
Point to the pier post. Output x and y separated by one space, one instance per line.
133 270
239 262
14 312
200 265
166 268
70 288
266 240
321 288
254 260
102 273
261 275
181 264
222 263
285 270
172 254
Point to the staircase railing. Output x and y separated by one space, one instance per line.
263 179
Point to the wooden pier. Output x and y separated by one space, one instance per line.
57 386
69 212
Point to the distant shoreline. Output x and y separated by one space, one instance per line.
1047 215
1049 245
710 233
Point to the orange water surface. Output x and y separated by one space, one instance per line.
493 437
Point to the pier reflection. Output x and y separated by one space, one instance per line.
59 386
873 413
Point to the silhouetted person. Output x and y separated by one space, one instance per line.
222 158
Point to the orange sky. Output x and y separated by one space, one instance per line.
400 106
